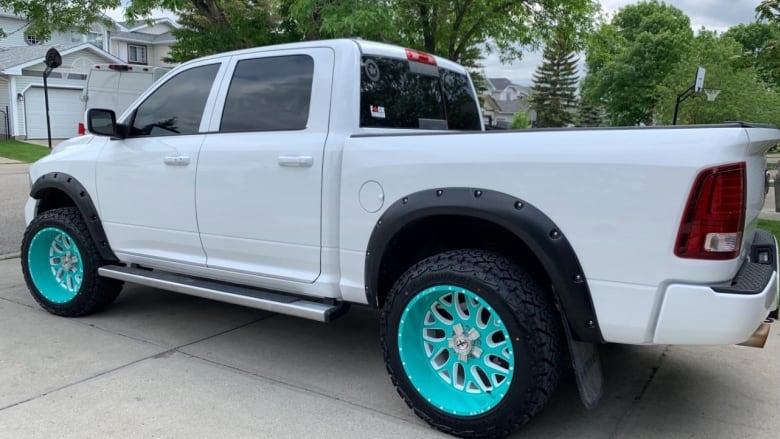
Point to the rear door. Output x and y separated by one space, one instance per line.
259 182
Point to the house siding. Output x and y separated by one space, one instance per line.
16 39
23 82
159 52
154 53
5 107
157 29
67 61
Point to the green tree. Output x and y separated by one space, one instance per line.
743 94
630 57
201 34
520 121
554 90
588 115
47 16
457 29
769 10
761 44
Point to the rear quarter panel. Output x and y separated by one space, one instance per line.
617 195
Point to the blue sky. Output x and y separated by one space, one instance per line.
713 14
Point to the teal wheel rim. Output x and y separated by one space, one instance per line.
55 265
456 350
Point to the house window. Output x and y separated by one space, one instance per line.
32 40
136 54
96 39
76 37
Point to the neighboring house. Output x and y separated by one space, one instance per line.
502 100
22 104
143 42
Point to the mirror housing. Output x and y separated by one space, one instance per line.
102 122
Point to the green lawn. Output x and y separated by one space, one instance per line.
24 152
772 226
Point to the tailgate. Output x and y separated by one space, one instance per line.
760 140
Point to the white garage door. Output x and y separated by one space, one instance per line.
64 111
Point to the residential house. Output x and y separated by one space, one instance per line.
502 100
22 104
143 42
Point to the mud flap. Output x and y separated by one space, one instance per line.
587 369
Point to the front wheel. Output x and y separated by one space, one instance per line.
60 262
471 342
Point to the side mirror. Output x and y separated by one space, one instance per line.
101 122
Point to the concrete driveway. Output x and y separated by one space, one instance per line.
157 364
14 189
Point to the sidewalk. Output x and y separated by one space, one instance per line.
5 161
45 142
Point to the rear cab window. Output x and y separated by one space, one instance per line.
403 94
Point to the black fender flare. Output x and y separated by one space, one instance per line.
78 193
531 225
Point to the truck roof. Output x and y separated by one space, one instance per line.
365 46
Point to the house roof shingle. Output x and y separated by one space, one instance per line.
13 56
508 107
499 83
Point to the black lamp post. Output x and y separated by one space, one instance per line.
52 61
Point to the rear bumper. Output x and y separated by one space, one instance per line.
728 313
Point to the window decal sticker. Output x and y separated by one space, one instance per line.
377 112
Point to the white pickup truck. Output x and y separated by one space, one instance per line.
304 178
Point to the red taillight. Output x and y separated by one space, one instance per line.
714 218
82 130
425 58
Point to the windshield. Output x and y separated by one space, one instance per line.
395 95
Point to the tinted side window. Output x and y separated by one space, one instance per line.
391 96
269 94
177 106
462 112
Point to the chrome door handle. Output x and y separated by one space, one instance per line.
177 160
296 161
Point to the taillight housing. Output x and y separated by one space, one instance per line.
416 55
714 217
82 129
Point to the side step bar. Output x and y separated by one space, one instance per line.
223 292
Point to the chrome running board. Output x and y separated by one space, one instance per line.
224 292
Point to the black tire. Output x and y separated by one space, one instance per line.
529 315
95 292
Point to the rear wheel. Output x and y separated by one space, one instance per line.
471 342
60 262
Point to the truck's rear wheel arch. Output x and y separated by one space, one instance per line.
57 189
424 223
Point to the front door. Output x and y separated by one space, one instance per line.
147 181
259 184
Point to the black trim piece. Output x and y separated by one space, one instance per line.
78 193
751 279
754 274
424 69
522 219
536 130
